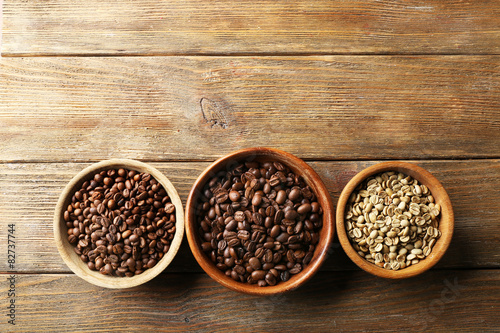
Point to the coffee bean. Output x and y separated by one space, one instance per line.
239 269
304 208
99 263
257 199
255 263
291 214
72 239
234 195
294 194
257 222
275 231
270 279
315 207
109 199
296 269
281 197
258 275
239 216
151 263
282 238
231 225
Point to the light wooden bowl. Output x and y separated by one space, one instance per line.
296 165
446 222
66 250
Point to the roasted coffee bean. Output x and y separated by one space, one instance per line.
281 197
270 279
255 263
259 222
291 215
275 231
294 194
112 211
304 209
285 276
258 275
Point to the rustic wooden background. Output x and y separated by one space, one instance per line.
179 83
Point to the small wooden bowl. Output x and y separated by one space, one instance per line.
66 250
296 165
446 221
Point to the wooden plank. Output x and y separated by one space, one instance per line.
436 301
200 108
146 27
28 194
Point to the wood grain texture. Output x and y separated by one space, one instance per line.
199 108
437 301
146 27
29 192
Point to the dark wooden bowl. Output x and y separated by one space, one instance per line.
66 250
296 165
446 222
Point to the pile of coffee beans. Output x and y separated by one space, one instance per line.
259 222
121 222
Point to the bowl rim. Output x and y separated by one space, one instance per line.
308 174
73 261
446 223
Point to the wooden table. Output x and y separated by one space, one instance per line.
179 83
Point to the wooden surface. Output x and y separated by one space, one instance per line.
200 108
342 84
100 27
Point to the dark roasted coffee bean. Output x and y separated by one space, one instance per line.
282 238
222 197
296 269
255 263
278 217
280 197
169 208
257 199
233 242
304 209
291 214
151 263
260 217
239 269
257 218
307 258
275 231
234 195
270 279
258 275
235 276
232 225
72 239
239 216
243 235
294 194
274 180
285 276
